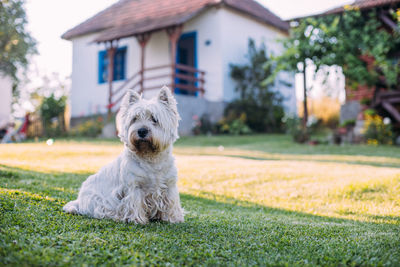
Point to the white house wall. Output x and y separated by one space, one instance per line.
209 57
88 97
5 98
222 39
237 28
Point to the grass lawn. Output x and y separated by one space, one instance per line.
255 200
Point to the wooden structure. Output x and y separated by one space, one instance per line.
388 102
192 80
178 70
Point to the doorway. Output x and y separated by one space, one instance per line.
186 54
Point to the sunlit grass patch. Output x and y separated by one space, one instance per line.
253 202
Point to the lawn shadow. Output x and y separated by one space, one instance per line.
217 230
66 186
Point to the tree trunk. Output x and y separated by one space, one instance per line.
305 108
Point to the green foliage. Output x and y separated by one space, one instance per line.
296 129
353 40
370 112
16 43
232 124
261 105
376 132
89 128
348 123
52 113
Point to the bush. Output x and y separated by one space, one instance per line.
52 113
234 125
203 125
376 131
261 105
348 123
295 128
90 128
259 118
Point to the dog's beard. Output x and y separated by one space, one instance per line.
145 147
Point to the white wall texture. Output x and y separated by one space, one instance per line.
87 96
5 98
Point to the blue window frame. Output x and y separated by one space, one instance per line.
119 65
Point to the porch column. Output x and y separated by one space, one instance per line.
173 34
142 40
111 49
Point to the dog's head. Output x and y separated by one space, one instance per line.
148 127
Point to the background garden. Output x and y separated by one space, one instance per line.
259 187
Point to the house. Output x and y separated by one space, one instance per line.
187 45
386 102
5 99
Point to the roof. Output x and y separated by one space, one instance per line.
363 5
131 17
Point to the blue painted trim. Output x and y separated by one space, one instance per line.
184 36
100 66
102 54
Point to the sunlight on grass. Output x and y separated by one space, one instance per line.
328 185
232 152
311 187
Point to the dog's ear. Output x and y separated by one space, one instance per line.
165 97
130 98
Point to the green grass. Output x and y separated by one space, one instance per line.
257 200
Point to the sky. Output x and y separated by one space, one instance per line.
49 19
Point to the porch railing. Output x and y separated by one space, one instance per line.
177 77
389 100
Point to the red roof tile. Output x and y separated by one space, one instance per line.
130 17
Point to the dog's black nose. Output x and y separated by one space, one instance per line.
142 132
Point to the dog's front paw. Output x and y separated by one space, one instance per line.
71 207
137 220
174 217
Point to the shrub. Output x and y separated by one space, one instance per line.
52 113
90 128
295 128
259 118
261 105
203 125
348 123
376 131
234 125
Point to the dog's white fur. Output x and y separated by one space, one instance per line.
140 185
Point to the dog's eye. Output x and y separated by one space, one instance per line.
134 119
153 119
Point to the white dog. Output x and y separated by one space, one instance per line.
140 185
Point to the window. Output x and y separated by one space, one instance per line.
119 65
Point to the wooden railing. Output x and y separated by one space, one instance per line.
177 77
388 100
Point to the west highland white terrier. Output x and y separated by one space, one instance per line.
140 185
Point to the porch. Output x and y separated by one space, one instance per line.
181 74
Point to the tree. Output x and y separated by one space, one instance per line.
16 43
347 40
301 48
261 105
